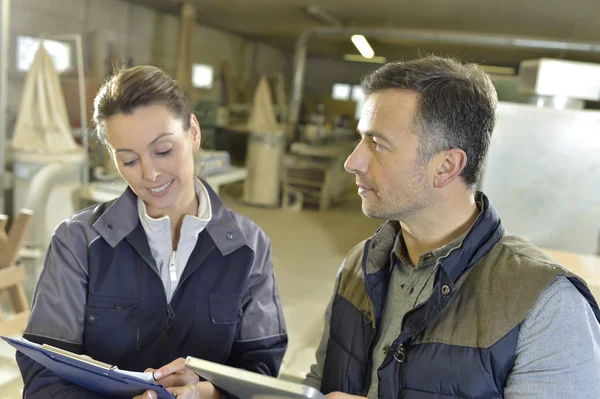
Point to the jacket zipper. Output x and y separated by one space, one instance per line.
170 312
170 316
173 267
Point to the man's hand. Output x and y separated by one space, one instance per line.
147 395
202 390
174 374
341 395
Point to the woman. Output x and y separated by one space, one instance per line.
164 271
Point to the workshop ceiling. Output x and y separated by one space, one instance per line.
280 23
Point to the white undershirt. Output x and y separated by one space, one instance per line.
171 264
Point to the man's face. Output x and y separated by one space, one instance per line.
392 181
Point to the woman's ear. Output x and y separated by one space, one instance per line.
195 132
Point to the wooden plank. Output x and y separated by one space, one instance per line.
12 276
18 298
325 202
15 324
307 193
312 200
185 49
304 182
3 221
316 173
10 247
229 81
306 164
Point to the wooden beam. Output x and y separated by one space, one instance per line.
11 276
10 247
18 298
15 324
3 221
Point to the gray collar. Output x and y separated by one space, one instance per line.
121 218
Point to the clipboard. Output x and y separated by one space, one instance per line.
89 373
245 384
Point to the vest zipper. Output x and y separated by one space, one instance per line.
399 351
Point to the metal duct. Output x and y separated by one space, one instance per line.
485 40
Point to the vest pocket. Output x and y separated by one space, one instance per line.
110 327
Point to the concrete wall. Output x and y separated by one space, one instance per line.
140 34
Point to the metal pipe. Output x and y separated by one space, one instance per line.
323 15
42 183
82 106
419 36
4 38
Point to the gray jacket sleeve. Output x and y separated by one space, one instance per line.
57 313
558 353
261 339
314 377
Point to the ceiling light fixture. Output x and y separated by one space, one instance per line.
363 46
497 70
360 58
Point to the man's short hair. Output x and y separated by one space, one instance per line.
457 106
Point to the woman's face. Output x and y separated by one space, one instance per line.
155 155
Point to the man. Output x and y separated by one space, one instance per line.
441 302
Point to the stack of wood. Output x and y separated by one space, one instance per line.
311 176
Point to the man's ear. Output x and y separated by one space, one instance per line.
451 164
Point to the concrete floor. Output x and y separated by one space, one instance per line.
308 248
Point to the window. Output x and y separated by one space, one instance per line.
359 97
202 76
341 91
59 52
345 92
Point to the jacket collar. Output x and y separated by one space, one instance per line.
121 218
480 239
483 235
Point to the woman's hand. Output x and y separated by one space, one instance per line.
174 374
178 377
